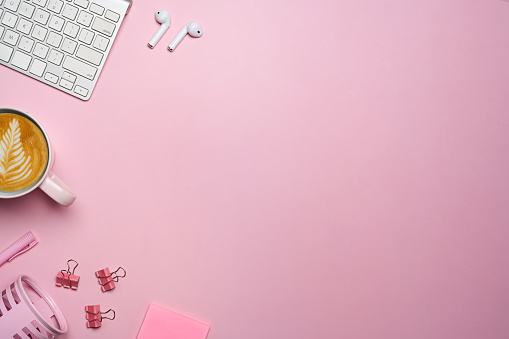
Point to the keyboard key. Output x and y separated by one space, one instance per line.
86 36
11 37
112 15
26 44
41 16
41 3
101 43
55 57
84 18
38 67
66 84
12 5
41 50
54 39
79 67
69 46
70 12
24 26
26 10
5 52
71 29
81 90
39 33
89 54
55 6
56 23
102 26
1 30
95 8
9 19
51 77
69 77
21 60
81 3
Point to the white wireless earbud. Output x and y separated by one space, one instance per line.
163 17
193 29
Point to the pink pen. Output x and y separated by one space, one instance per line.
22 245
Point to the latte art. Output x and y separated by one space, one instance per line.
23 152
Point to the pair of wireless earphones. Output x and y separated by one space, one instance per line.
163 17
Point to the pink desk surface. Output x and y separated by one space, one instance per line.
306 169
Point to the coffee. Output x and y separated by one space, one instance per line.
23 152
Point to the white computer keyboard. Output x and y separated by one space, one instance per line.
63 43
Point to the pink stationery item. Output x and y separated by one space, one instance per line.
107 280
95 316
67 278
160 323
23 244
27 311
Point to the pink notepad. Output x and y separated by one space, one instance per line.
160 323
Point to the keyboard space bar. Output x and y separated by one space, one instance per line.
79 67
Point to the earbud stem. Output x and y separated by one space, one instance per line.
180 35
158 35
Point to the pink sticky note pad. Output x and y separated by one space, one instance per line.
160 323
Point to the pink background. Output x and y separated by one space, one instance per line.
320 169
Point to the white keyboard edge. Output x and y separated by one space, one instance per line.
119 6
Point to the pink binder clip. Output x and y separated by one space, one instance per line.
95 316
107 280
67 278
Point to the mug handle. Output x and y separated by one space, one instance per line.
57 190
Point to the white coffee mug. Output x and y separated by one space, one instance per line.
48 182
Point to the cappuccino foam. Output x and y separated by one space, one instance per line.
23 152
